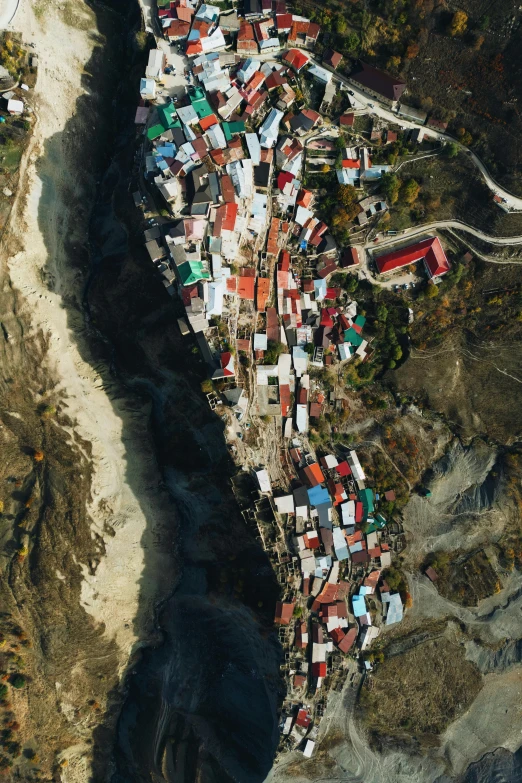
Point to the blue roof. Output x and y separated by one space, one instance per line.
318 495
339 541
359 605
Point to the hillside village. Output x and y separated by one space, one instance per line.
239 237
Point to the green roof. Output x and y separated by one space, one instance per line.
366 496
360 320
155 131
351 336
168 117
229 128
191 272
200 104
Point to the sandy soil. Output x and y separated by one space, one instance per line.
115 594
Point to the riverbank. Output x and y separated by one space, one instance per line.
101 508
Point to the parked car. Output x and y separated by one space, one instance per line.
351 92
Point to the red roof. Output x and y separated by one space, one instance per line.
319 669
303 718
332 58
284 261
284 399
358 511
313 30
284 178
272 324
246 32
284 613
256 81
346 644
351 164
263 291
284 21
304 197
315 410
347 119
245 287
343 469
226 361
230 215
429 249
296 59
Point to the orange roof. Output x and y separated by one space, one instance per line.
245 287
263 291
194 48
208 122
246 32
304 197
185 14
314 474
231 284
351 164
273 235
284 612
256 81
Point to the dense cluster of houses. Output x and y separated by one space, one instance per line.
341 545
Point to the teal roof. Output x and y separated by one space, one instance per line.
168 118
351 336
229 128
366 497
155 132
200 104
360 320
191 272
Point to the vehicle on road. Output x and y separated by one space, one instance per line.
351 92
371 106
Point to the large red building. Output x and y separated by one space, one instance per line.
429 249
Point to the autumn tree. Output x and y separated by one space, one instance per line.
432 291
412 50
410 191
325 168
459 23
393 64
346 195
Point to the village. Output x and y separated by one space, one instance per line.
227 143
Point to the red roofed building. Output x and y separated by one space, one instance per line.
303 718
346 644
245 287
347 120
351 164
177 30
343 469
314 475
296 59
304 198
275 80
284 399
283 23
350 257
284 178
331 58
272 324
284 613
319 669
246 42
429 249
227 364
262 291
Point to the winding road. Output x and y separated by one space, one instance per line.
8 9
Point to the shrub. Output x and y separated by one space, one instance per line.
206 386
18 681
38 455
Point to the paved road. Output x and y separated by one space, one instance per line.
444 224
8 9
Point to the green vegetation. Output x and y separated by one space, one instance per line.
18 681
273 352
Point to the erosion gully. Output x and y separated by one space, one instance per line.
201 704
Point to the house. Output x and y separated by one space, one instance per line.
286 98
147 91
154 69
381 85
270 128
438 125
410 113
274 80
350 258
248 69
429 250
252 9
347 120
177 30
284 612
283 23
304 121
321 74
296 59
331 58
246 42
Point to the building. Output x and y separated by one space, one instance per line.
331 58
410 113
296 59
154 69
429 250
270 128
381 85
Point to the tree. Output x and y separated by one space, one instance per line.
273 351
38 455
3 692
432 291
459 23
452 149
410 191
391 185
206 386
397 353
382 312
346 195
18 681
340 24
325 168
412 51
393 64
352 43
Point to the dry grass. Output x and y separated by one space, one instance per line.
414 696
